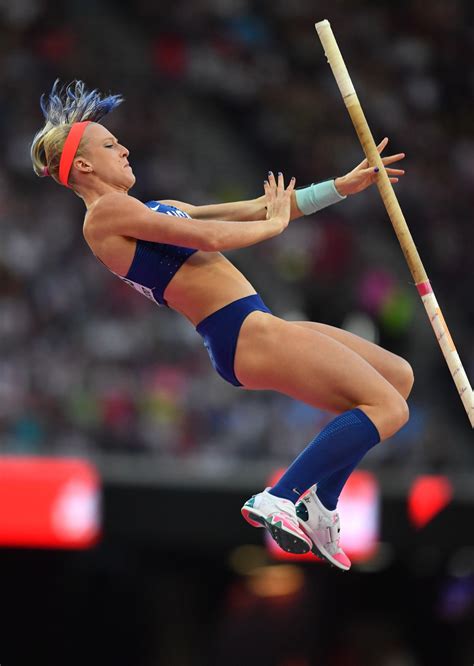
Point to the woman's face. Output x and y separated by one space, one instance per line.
104 156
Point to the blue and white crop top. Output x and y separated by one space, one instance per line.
154 264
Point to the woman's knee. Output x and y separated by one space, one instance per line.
399 415
389 414
405 377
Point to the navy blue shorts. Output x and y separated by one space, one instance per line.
220 332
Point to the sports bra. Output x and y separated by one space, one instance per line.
154 264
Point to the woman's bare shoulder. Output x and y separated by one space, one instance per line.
115 201
105 211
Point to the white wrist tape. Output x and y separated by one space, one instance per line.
317 196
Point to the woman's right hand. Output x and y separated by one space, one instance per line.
278 199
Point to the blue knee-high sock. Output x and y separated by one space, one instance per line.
342 443
330 488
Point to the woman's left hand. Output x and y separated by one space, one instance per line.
362 176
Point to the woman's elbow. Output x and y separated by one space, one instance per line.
211 243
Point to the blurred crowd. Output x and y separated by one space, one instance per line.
217 93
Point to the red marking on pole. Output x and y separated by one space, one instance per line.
424 288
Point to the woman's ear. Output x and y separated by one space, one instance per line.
82 165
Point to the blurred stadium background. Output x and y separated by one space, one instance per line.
111 405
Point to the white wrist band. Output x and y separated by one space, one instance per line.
317 196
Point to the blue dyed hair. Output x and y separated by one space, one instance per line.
73 103
62 107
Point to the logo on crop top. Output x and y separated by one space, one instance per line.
168 210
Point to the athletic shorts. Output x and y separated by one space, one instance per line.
220 332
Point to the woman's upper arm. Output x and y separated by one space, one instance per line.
123 215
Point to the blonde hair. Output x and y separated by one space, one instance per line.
61 108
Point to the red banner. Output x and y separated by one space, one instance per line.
49 503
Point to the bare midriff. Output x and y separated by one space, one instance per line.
206 282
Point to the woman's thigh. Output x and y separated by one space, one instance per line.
394 368
306 364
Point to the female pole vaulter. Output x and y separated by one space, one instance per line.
170 251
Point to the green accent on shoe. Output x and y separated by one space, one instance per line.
250 502
302 511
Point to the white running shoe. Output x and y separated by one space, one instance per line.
278 516
323 528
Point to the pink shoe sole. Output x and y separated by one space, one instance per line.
339 560
281 531
252 518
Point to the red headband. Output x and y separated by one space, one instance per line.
70 149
